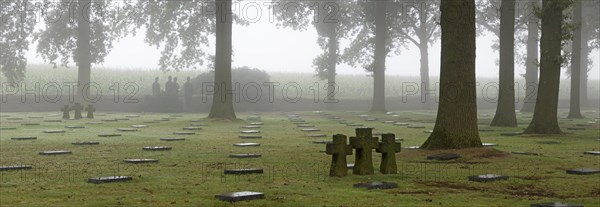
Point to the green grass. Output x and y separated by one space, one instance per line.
296 172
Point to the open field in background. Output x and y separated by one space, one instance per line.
296 170
350 86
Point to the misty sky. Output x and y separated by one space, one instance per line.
262 45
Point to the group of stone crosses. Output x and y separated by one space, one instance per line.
363 143
77 108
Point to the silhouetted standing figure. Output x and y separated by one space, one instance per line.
187 92
156 87
169 86
175 87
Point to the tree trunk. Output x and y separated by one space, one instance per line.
531 67
545 119
425 98
380 53
456 123
505 109
585 52
575 108
222 105
331 67
84 63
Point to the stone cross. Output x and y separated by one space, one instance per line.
388 148
364 143
66 109
90 111
338 151
77 109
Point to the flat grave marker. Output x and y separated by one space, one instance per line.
376 185
555 204
110 179
245 155
74 127
247 144
489 144
127 129
85 143
527 153
316 135
157 148
401 124
54 131
7 128
256 123
549 142
109 135
191 128
139 126
140 161
243 171
511 134
415 127
250 131
251 127
582 171
55 152
15 167
167 139
184 133
487 178
30 124
592 152
240 196
250 136
52 120
310 130
24 138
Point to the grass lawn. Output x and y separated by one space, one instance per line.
295 169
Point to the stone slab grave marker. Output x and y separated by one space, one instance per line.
486 130
304 125
338 150
7 128
354 125
310 130
30 124
140 161
364 143
511 134
415 127
322 142
122 119
412 147
582 171
110 179
376 185
109 135
150 122
250 131
171 139
592 152
256 123
14 119
66 110
389 122
487 178
248 144
240 196
401 124
191 128
428 131
74 127
54 131
243 171
245 155
443 156
55 152
251 127
15 167
527 153
489 144
250 136
137 126
52 120
85 143
24 138
90 111
555 204
157 148
388 147
109 120
132 116
316 135
127 129
184 133
77 108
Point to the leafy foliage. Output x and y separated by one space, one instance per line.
16 26
57 42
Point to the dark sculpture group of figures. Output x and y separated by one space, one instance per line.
77 108
363 143
168 100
